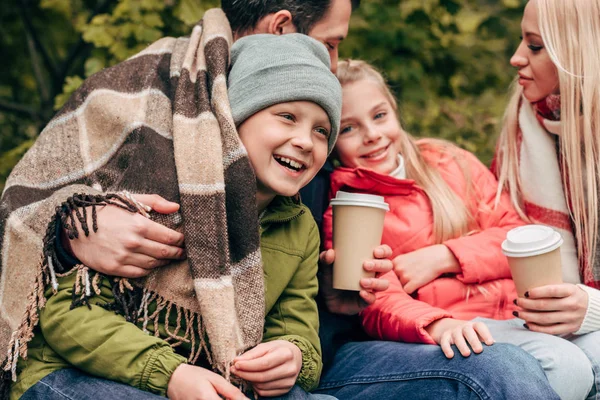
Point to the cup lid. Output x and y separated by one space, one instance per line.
531 240
359 199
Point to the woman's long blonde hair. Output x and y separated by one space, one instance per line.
571 34
451 217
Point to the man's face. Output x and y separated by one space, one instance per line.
333 28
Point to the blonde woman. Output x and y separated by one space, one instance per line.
548 161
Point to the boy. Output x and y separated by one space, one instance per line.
288 127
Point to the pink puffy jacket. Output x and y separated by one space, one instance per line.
484 288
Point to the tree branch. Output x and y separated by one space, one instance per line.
37 70
36 40
20 109
80 45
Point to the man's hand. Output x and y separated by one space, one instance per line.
347 302
272 368
417 268
127 244
194 383
554 309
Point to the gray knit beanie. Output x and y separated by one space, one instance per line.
273 69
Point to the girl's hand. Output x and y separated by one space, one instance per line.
189 382
417 268
449 331
554 309
272 368
127 244
347 302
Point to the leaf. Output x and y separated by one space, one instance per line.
153 20
72 83
189 11
93 65
62 7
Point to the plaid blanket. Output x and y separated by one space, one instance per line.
159 122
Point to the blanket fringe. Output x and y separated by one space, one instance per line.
130 301
50 267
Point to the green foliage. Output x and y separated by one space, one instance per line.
447 60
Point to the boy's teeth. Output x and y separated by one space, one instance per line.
293 163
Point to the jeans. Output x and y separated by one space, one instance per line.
74 384
570 362
391 370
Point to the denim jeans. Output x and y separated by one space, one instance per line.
77 385
391 370
74 384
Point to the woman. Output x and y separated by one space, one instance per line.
548 161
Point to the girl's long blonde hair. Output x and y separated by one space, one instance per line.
571 33
450 214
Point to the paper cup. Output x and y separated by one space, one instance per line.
357 229
533 253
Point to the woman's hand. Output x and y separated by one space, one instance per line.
272 368
347 302
189 382
128 244
417 268
554 309
449 331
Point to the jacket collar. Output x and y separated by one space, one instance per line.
369 181
282 209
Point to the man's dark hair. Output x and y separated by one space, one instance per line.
244 15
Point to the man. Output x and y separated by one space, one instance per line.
358 369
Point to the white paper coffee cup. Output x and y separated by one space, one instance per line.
533 253
357 229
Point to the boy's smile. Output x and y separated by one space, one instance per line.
287 145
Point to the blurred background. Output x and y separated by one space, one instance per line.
447 60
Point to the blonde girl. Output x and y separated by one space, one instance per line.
548 160
451 284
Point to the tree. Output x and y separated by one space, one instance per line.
446 59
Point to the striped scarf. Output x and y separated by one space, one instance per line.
545 200
159 122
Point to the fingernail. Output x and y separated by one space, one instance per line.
367 283
515 302
525 326
369 265
527 294
516 314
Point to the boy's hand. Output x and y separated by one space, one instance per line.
127 244
272 368
347 302
417 268
194 383
449 331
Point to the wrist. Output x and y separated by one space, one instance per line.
447 261
436 328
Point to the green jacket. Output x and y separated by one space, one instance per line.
102 343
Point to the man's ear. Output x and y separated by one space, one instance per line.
279 23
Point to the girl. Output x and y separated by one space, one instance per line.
444 227
548 161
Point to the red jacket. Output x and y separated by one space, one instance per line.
483 289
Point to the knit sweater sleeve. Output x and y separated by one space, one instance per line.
591 322
295 317
102 343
